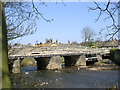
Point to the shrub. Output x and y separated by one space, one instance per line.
114 55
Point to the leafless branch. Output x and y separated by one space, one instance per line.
110 9
37 12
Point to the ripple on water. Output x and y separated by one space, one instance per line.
66 78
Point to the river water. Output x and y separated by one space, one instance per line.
65 78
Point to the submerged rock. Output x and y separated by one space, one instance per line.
103 62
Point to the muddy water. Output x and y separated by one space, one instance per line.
65 78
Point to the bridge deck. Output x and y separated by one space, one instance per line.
53 51
35 55
43 55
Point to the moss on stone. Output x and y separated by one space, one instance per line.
28 62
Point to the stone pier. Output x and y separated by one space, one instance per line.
81 61
16 66
99 57
54 62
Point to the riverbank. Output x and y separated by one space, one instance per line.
100 67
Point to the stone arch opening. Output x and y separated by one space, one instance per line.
42 62
75 60
70 60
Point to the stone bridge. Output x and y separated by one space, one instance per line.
54 57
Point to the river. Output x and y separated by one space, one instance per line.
69 77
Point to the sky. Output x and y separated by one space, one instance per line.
69 21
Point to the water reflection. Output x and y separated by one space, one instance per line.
65 78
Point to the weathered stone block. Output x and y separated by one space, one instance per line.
16 67
55 63
99 57
81 61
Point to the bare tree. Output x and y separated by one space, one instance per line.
111 11
87 34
